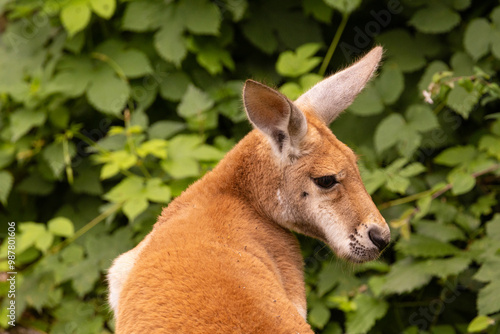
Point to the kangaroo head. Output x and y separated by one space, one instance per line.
320 192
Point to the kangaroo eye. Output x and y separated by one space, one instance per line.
325 182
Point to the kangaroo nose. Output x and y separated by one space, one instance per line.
378 239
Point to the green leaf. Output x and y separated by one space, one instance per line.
83 276
180 168
367 312
174 86
207 153
444 233
461 181
404 277
134 63
489 271
409 141
295 64
457 155
182 146
483 205
7 151
491 145
344 6
403 50
477 37
479 324
435 18
462 101
194 102
291 90
421 118
488 301
388 132
412 170
35 184
423 206
200 16
61 226
390 84
103 247
85 318
367 103
463 65
23 120
397 183
420 245
87 181
495 42
126 189
109 170
332 328
493 227
75 16
467 222
72 254
257 32
134 207
374 180
143 16
213 58
327 278
444 268
33 234
169 41
156 191
461 4
165 129
319 315
156 147
108 93
53 154
6 182
73 78
319 10
434 67
103 8
308 80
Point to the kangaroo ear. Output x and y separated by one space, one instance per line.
331 96
276 116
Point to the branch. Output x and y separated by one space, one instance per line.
333 45
435 193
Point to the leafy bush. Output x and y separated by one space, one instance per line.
109 109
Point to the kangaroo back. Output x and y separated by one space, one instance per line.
221 257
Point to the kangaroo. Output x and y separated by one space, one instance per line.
221 257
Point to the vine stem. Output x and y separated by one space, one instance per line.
333 45
435 193
85 228
67 160
104 58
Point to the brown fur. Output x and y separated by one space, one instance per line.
222 259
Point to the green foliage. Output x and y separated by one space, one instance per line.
109 109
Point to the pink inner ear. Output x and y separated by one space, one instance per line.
265 107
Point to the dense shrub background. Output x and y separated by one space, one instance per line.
108 109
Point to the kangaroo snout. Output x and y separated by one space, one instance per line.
379 238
